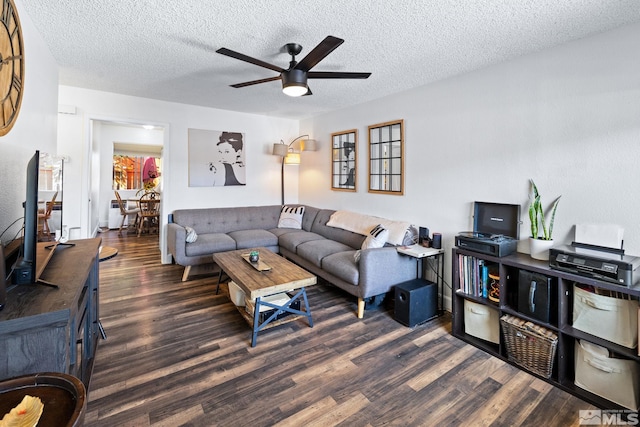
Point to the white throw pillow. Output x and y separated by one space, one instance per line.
191 235
291 217
376 239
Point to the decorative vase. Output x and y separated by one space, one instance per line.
539 249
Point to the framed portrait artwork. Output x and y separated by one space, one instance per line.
386 158
216 158
344 146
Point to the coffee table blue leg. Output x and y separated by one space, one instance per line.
307 308
256 322
257 326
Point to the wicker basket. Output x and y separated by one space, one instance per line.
529 345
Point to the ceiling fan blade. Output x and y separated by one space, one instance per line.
250 60
255 82
318 53
336 75
308 91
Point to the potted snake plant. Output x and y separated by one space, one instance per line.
541 239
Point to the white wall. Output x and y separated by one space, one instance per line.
35 128
263 169
568 117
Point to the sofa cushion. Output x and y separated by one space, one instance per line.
210 243
309 217
281 231
339 235
316 250
290 241
253 238
291 217
223 220
342 265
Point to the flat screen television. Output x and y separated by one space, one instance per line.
25 268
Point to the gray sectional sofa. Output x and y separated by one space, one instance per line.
327 252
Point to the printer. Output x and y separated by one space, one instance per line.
596 262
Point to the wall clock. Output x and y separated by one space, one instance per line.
11 66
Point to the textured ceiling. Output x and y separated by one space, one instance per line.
166 49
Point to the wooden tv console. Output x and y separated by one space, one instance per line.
46 329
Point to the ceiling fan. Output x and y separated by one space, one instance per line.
294 78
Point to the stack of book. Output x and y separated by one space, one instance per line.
474 275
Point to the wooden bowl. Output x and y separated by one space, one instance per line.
63 396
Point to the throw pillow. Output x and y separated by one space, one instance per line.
376 239
291 217
191 235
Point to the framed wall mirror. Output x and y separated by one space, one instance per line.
386 158
344 146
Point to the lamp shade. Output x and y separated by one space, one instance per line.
280 149
292 159
308 145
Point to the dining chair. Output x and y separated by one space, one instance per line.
44 232
149 205
125 212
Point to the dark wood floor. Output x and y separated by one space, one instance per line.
177 354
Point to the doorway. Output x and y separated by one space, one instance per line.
111 138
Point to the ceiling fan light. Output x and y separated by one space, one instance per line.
294 82
295 90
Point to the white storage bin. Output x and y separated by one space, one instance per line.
612 319
278 299
236 294
614 379
481 321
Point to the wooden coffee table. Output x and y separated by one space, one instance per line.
271 275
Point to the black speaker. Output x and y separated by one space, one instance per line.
437 241
423 235
416 301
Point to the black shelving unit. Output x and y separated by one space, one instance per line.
563 375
